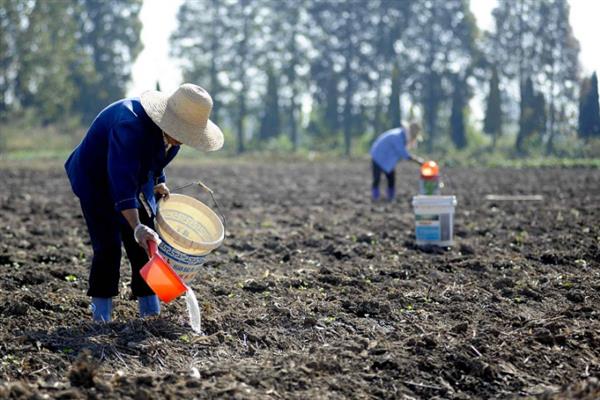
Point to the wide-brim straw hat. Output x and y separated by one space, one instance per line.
184 116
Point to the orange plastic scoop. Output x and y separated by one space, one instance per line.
429 169
160 276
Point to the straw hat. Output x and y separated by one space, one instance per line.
184 116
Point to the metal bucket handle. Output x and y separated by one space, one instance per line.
211 192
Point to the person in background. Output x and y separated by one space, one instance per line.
117 173
389 148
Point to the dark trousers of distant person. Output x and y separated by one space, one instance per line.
108 229
391 181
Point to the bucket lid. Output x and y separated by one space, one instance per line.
433 201
189 225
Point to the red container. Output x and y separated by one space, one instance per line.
429 170
430 178
161 278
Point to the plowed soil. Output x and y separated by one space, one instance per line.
317 292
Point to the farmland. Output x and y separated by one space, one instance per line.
317 292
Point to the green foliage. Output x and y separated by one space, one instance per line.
270 124
279 144
395 113
227 51
319 134
457 122
65 59
46 50
356 58
492 124
353 60
110 38
589 109
533 39
325 119
286 51
3 143
203 45
9 26
590 148
363 143
339 27
444 35
481 152
21 137
532 120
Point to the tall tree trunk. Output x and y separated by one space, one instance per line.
348 106
551 133
293 124
378 108
240 121
394 112
214 80
521 50
242 94
431 109
348 118
522 122
430 86
349 56
518 143
292 82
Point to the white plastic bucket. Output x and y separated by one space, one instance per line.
189 230
185 265
434 220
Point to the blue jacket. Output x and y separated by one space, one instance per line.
389 148
121 156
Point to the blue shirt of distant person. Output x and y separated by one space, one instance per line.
389 148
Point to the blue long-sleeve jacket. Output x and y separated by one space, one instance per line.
389 148
122 155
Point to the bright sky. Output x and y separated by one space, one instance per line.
159 19
584 20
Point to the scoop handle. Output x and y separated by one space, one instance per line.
152 247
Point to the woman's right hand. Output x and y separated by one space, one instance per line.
142 233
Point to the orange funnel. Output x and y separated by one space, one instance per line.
429 170
160 276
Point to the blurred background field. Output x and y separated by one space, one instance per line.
507 82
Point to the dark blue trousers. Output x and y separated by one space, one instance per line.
377 171
108 229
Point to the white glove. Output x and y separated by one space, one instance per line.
142 233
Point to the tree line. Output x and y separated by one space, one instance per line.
65 58
366 65
320 74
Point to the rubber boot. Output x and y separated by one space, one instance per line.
149 306
375 193
391 193
101 309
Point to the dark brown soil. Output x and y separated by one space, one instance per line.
317 292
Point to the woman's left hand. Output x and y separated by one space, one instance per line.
162 190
